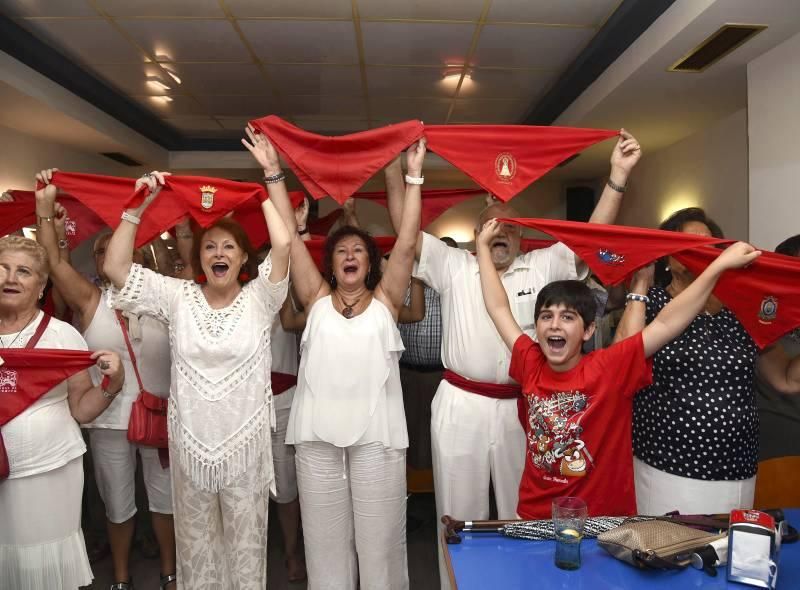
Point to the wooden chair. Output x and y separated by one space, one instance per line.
778 483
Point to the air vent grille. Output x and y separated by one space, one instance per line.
717 46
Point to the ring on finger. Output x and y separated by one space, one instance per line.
104 365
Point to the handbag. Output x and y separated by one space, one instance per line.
655 544
148 422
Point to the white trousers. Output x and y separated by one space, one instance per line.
283 460
659 492
41 543
353 502
221 538
114 459
476 441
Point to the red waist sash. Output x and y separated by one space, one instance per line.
282 382
493 390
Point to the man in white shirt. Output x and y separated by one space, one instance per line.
477 438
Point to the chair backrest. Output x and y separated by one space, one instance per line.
778 483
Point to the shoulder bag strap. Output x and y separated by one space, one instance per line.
130 348
39 331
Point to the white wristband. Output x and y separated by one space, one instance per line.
130 217
415 179
636 297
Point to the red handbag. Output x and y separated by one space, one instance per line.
148 423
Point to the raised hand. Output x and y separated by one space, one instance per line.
46 194
60 220
154 181
6 197
110 365
738 255
643 279
301 214
626 152
415 156
263 151
490 230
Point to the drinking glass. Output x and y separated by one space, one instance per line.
569 516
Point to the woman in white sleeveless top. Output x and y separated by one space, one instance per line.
114 457
220 406
347 419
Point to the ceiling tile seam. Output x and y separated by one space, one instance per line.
608 16
476 34
361 60
217 121
151 56
265 75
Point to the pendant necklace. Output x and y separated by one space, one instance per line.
3 344
347 309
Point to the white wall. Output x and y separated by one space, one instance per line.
707 169
773 84
22 156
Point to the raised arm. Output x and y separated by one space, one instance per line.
395 189
415 310
633 318
679 313
119 252
624 157
780 370
80 295
292 319
306 278
392 288
494 295
86 402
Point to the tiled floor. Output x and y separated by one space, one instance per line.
422 559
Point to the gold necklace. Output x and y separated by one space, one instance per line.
3 344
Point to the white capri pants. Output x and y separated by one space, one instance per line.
115 471
283 460
353 502
659 492
476 440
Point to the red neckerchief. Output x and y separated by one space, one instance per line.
765 296
250 216
337 166
614 252
316 247
530 244
205 199
434 201
81 224
282 382
505 159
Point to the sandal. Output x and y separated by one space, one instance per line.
168 579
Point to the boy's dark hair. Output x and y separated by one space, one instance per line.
789 246
676 222
572 295
374 276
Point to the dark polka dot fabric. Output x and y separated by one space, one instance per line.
699 418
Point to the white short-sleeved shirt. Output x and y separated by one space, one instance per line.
45 436
220 406
348 388
150 343
471 345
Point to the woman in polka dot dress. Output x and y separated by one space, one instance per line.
695 429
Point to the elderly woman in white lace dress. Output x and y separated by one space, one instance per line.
220 409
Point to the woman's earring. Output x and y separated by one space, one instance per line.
666 268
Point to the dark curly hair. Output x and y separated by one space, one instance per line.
374 274
676 222
239 236
789 246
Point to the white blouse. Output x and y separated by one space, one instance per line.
220 408
45 436
348 388
150 342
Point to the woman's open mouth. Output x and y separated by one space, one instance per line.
219 269
350 268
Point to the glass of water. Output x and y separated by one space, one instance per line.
569 516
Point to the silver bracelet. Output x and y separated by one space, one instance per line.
620 188
108 394
415 179
636 297
279 177
131 218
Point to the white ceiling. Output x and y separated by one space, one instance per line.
331 66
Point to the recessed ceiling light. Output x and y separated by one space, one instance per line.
173 75
157 82
163 99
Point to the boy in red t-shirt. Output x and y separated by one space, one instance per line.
577 408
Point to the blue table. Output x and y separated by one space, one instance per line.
488 561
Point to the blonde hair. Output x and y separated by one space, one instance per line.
30 247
